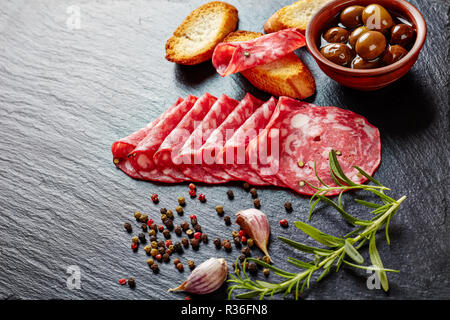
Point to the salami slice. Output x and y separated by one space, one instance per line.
122 148
189 155
164 157
233 57
234 155
216 141
142 156
307 133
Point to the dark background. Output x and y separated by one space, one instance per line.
67 95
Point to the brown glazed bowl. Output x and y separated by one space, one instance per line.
369 79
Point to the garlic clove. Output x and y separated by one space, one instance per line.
206 278
254 222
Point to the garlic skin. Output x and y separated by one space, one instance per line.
206 278
254 222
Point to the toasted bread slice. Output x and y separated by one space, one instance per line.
194 40
287 76
296 15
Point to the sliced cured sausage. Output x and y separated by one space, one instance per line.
169 149
141 157
122 148
307 133
233 57
233 154
190 157
216 141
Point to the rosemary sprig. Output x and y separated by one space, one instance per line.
338 250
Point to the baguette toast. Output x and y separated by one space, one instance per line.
287 76
296 15
194 40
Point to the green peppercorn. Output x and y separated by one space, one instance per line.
250 242
288 206
179 209
227 220
205 238
163 217
257 203
135 239
169 214
148 249
252 267
143 218
154 244
155 267
154 252
246 186
150 261
217 243
185 242
246 251
152 233
137 215
235 234
180 267
163 211
266 272
253 192
219 210
132 282
181 201
166 257
190 233
266 259
178 230
191 264
128 227
230 194
141 237
171 248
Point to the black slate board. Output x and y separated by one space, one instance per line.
66 95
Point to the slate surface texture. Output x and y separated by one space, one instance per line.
69 90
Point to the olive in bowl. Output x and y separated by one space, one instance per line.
339 53
370 45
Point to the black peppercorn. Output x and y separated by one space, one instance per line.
185 225
242 257
166 233
198 228
154 267
205 238
141 237
288 206
253 192
227 220
128 227
195 243
178 230
246 251
161 250
246 186
185 242
152 238
166 257
217 243
153 226
193 221
143 218
230 194
252 267
176 261
180 267
132 282
144 227
237 241
168 223
257 203
226 244
177 247
163 210
161 243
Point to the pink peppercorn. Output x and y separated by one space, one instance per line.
284 223
122 281
202 197
198 235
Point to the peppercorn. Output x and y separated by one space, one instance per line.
266 272
143 218
155 267
191 264
132 282
198 228
153 226
250 242
266 259
135 239
217 243
244 239
158 257
185 225
178 230
246 186
149 222
237 241
202 197
180 267
205 238
284 223
193 220
227 220
161 243
161 250
226 244
230 194
192 186
141 237
288 206
137 215
257 203
253 192
181 201
179 209
147 249
150 261
171 247
151 233
168 223
163 210
190 233
169 251
168 243
176 261
134 246
235 233
153 239
144 227
242 257
154 244
128 227
219 210
252 267
122 281
166 257
185 242
198 235
195 243
161 228
177 247
163 217
169 214
192 193
246 251
155 198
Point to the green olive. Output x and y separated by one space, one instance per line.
393 54
377 18
402 34
360 63
351 17
338 53
370 45
336 35
358 32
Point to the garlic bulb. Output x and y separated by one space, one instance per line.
206 278
254 223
